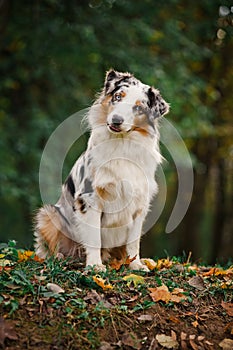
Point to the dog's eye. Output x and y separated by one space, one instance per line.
117 97
138 109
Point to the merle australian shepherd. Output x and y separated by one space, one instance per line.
107 195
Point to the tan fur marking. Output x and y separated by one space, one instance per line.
142 130
137 213
49 228
138 103
108 193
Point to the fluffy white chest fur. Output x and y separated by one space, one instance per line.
106 197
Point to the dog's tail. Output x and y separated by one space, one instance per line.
49 236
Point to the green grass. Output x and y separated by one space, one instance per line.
86 314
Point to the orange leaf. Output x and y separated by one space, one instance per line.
195 324
116 263
101 283
160 294
25 255
36 258
215 271
228 307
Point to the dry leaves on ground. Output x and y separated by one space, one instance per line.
101 283
228 307
7 330
168 342
134 279
162 294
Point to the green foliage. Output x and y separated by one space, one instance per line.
54 55
82 313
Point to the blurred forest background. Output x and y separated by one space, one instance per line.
53 58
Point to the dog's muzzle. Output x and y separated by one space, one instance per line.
115 125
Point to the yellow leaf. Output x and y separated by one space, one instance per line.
2 256
135 279
151 264
5 262
163 263
101 283
25 255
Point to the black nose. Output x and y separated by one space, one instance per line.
117 120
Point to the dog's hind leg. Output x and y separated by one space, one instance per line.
47 228
51 237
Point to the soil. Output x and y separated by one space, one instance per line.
119 315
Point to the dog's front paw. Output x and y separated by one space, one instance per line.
137 265
97 267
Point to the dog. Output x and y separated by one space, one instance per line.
107 195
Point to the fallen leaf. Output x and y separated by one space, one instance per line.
229 328
177 295
116 264
174 319
105 346
226 344
228 307
151 264
197 282
145 317
167 341
7 331
173 335
192 336
55 288
216 271
130 339
135 279
164 263
93 297
195 324
25 255
5 262
208 343
101 283
201 338
183 336
160 294
194 346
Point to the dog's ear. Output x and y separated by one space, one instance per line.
156 103
113 79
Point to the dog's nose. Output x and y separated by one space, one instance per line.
117 120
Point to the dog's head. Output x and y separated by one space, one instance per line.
131 105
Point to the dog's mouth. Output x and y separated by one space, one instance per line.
114 128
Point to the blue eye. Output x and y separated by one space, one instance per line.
117 97
138 109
